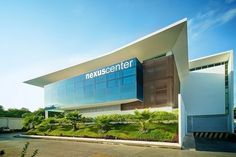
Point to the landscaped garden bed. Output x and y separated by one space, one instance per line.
145 126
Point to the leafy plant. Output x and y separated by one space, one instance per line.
143 119
120 117
165 116
30 120
48 123
103 123
13 112
25 148
142 125
74 117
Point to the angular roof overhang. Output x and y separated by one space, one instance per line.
212 59
171 38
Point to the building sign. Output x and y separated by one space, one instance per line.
110 69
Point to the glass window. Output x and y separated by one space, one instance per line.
119 74
100 78
88 90
112 83
78 79
111 76
88 82
109 87
78 84
101 85
130 71
79 91
129 80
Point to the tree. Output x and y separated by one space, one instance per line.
13 112
1 111
1 108
144 118
48 123
32 119
103 123
74 117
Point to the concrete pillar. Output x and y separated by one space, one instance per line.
46 114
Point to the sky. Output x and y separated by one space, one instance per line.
41 36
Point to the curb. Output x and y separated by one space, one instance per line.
107 141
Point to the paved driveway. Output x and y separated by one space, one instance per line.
51 148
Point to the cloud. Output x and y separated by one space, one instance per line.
210 19
230 14
229 1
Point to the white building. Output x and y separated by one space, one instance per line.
160 77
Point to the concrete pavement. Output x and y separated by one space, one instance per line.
51 148
107 141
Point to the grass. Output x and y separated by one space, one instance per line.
157 132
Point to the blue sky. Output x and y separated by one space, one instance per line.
39 37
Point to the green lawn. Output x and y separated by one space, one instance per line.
164 132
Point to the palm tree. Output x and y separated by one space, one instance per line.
73 117
103 123
31 120
143 119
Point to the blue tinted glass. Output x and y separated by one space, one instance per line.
70 88
111 76
100 78
130 71
80 91
119 85
112 83
79 84
119 74
101 85
129 80
88 90
88 82
78 79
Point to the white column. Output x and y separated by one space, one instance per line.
46 114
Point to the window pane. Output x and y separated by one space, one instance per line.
88 82
88 91
101 85
112 83
129 80
101 78
111 76
130 71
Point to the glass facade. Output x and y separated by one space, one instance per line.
121 81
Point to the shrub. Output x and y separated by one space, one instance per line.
165 116
73 117
142 125
120 118
30 120
143 119
117 134
103 123
47 124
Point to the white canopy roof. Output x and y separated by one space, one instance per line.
171 38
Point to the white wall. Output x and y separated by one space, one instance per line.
11 123
180 50
115 109
204 91
231 91
182 120
3 122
